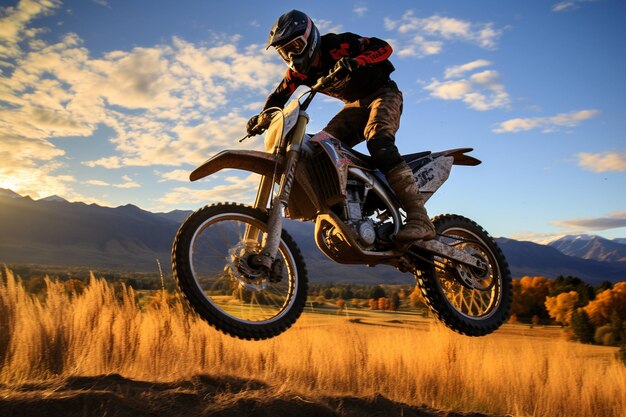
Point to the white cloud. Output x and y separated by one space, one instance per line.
166 104
568 5
128 183
611 221
181 175
14 24
98 183
481 91
536 237
548 124
360 10
459 70
36 181
420 37
614 161
233 189
327 26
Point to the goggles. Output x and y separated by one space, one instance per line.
294 47
297 45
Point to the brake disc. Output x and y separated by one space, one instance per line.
250 278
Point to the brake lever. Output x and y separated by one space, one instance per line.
249 135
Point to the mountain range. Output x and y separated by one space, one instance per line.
591 247
53 231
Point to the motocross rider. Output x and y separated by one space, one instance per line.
372 102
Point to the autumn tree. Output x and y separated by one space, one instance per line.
581 326
604 285
606 302
346 293
377 292
560 308
611 334
529 297
394 302
567 284
416 299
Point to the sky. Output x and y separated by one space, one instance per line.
114 102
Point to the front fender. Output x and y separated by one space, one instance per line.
262 163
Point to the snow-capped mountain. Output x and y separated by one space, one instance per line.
591 247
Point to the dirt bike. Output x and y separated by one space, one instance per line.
245 275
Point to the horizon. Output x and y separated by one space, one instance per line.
113 103
541 241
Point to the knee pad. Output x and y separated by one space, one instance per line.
384 153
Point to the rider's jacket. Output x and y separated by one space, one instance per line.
372 72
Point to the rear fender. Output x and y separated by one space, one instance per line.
433 170
460 157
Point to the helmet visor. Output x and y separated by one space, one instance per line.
293 47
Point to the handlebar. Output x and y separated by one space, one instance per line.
322 81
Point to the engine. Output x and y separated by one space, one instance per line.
356 192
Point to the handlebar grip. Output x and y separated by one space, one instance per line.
324 80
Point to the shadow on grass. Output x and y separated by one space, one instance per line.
202 395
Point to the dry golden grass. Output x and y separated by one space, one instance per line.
98 333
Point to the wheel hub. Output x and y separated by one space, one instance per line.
250 278
474 277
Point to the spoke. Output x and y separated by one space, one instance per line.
225 289
484 302
467 307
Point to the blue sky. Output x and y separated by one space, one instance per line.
114 102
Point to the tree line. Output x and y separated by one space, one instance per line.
589 314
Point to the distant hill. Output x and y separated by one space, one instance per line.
8 193
178 216
591 247
527 258
56 232
62 233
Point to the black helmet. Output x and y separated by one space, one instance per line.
296 39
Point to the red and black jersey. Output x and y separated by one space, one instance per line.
372 72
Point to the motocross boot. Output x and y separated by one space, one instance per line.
418 225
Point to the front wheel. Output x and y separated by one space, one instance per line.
470 301
210 263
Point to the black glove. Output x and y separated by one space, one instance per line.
257 124
345 66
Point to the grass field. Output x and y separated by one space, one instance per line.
404 357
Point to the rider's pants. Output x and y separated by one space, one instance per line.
375 118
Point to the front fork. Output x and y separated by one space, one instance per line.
265 259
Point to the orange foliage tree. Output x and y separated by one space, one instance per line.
416 299
608 301
529 296
561 307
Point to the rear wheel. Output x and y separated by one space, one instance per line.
210 263
469 300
